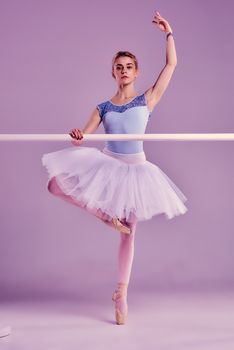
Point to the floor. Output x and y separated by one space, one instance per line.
162 321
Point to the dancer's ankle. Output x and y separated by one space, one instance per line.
122 287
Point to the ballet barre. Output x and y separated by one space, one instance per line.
120 137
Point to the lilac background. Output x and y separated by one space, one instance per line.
55 67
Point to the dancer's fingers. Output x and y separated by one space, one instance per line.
76 133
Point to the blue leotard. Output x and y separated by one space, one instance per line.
129 118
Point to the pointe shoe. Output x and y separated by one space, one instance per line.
120 226
121 307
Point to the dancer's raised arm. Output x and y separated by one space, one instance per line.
154 93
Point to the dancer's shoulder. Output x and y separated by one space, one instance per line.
102 108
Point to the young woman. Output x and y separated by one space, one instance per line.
118 185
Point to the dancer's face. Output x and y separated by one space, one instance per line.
124 70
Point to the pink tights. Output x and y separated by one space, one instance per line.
126 254
126 246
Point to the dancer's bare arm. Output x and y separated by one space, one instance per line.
154 93
89 128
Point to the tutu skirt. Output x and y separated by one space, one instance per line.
109 184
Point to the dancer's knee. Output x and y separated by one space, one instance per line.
52 186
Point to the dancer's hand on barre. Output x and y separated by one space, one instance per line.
77 134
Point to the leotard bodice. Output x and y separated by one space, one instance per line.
129 118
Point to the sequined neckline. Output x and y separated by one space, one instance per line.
124 103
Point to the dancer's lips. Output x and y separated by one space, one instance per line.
124 76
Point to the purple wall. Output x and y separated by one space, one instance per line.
55 67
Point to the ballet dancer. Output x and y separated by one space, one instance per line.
118 184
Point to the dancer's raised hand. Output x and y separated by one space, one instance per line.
161 23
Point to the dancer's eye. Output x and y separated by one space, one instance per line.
129 67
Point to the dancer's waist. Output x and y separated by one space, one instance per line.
138 157
129 147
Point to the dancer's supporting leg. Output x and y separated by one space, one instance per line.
125 261
126 254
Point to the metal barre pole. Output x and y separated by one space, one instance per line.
119 137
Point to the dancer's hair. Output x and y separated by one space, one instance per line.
122 54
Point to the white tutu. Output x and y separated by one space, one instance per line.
109 184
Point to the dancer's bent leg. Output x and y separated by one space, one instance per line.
54 188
